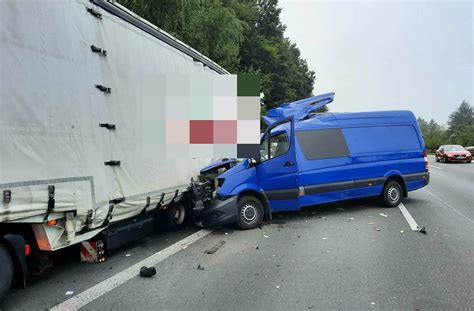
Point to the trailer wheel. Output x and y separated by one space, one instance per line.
6 272
250 213
176 216
392 193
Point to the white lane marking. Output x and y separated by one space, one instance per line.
96 291
435 166
447 205
411 221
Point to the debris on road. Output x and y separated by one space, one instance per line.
373 304
227 233
147 272
200 267
215 248
69 293
278 286
383 215
323 217
423 230
370 223
377 229
266 236
128 255
351 218
324 238
257 247
401 231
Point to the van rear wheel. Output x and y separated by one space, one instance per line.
392 193
6 272
250 213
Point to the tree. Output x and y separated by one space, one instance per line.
433 133
462 116
461 125
244 36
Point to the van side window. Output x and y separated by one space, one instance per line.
322 144
279 144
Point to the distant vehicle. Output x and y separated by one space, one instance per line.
453 153
309 158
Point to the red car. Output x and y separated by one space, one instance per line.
453 153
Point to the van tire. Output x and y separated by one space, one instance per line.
392 193
6 272
250 212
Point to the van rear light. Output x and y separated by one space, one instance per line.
425 156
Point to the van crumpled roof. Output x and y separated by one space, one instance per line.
299 109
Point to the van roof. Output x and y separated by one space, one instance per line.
344 119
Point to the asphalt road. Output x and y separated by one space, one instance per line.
331 257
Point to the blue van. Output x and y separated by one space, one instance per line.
309 158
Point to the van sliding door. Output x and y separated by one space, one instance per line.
324 158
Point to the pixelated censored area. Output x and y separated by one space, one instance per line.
202 115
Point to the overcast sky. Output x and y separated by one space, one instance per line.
379 55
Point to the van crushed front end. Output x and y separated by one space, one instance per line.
216 194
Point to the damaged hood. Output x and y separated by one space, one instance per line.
299 109
234 170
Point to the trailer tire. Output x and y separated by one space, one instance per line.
250 212
6 272
176 216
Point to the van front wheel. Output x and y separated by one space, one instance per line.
250 211
392 193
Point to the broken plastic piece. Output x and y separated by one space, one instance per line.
383 215
200 267
423 230
215 248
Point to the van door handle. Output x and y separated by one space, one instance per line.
288 164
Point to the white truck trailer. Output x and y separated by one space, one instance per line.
78 78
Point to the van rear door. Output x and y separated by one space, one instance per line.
277 170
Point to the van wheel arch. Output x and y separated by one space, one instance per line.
261 197
401 181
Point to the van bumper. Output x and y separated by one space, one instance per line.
221 212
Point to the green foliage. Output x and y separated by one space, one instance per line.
459 132
244 36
